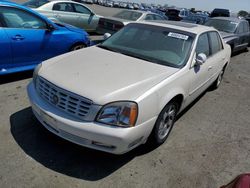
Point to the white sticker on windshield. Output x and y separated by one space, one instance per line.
178 36
235 23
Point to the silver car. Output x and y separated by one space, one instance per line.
70 12
119 20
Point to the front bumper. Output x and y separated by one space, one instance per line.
93 135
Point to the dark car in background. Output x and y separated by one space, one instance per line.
234 31
173 14
218 12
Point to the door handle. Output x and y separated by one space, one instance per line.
210 67
18 37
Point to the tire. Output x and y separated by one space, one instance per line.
218 80
77 47
164 123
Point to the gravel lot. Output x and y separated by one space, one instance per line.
209 144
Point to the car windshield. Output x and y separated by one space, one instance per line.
128 15
35 3
155 44
223 25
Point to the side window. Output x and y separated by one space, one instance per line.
203 45
16 18
246 27
149 17
67 7
215 42
81 9
240 28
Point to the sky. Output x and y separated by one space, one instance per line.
209 5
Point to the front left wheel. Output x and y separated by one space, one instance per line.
164 123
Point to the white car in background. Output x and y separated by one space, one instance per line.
66 11
129 89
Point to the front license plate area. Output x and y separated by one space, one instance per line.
49 120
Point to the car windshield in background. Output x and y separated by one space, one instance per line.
155 44
223 25
35 3
128 15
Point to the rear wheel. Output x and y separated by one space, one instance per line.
218 81
164 123
77 47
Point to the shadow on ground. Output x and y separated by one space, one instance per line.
4 79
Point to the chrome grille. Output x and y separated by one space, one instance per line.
69 102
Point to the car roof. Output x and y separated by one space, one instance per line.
182 26
233 19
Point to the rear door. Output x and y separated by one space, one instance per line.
5 53
27 35
242 41
247 32
217 55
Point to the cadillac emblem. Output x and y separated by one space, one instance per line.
55 99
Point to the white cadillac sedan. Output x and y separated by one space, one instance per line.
129 89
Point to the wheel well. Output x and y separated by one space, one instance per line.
225 66
232 47
77 43
179 99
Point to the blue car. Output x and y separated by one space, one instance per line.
28 38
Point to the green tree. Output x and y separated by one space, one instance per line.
192 10
243 13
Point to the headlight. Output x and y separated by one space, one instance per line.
123 114
35 73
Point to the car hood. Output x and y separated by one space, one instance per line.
103 76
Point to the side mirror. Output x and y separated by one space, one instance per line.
50 28
200 59
106 36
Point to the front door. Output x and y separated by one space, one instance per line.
26 33
199 74
5 53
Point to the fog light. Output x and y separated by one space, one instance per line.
135 142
